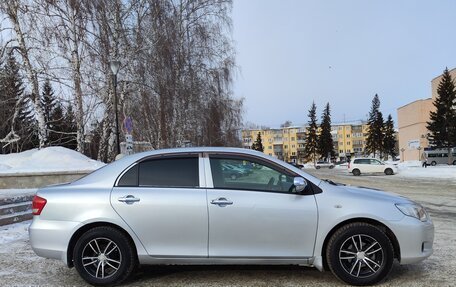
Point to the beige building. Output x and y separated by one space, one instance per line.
412 121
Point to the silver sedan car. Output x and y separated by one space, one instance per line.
181 206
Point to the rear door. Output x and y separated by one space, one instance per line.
258 215
161 200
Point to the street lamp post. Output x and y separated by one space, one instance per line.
115 65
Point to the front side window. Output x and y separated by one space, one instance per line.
169 172
238 173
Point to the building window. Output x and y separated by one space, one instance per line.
348 135
348 143
293 146
292 138
285 146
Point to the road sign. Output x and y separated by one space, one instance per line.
128 125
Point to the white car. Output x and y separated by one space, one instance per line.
322 163
370 165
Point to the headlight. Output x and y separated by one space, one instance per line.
413 210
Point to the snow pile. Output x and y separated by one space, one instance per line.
47 160
414 169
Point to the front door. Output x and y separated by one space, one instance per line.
161 200
258 214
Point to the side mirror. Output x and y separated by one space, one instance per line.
299 183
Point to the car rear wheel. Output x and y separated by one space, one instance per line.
433 163
318 167
356 172
454 162
360 254
331 166
389 171
104 256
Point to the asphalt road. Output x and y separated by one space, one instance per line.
20 266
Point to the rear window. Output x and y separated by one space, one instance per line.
169 172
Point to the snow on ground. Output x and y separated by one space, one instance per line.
47 160
14 232
439 171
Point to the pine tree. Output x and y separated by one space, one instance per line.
48 102
389 140
325 140
374 139
70 129
442 124
258 144
310 146
20 117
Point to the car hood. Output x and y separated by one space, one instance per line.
376 194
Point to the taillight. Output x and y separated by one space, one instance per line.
38 204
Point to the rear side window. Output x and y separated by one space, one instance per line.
169 172
130 178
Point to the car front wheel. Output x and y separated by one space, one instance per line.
360 254
356 172
104 256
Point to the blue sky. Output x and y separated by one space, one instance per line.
291 53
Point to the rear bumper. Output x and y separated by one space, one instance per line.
50 238
415 239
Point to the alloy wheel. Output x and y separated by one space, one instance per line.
361 256
101 258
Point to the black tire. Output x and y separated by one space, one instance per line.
318 167
433 163
389 171
331 166
364 268
454 162
356 172
114 246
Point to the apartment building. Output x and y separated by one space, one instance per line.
287 143
349 138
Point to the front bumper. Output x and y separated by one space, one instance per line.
50 238
415 239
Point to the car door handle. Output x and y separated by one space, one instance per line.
129 199
221 201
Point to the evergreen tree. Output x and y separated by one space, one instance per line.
389 140
442 124
374 141
57 126
17 108
258 144
310 146
70 129
48 103
325 140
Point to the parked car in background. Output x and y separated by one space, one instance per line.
358 166
321 163
178 206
